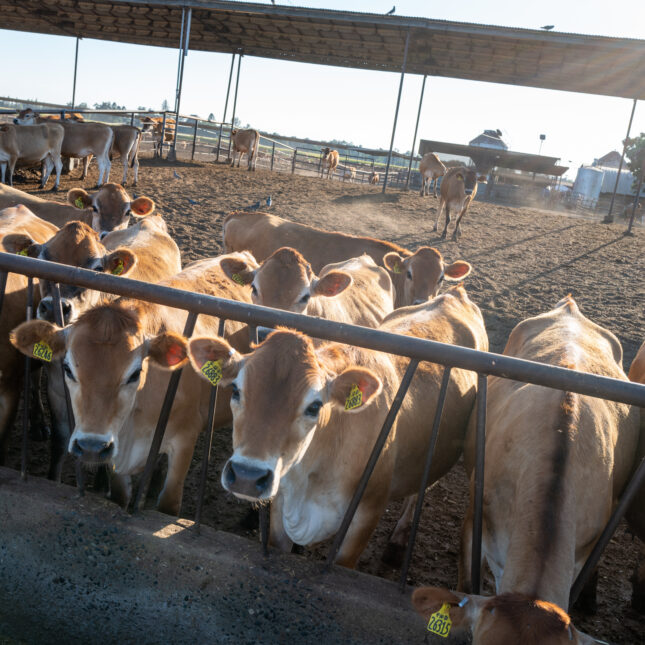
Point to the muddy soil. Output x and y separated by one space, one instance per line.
524 260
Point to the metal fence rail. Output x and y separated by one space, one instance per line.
416 349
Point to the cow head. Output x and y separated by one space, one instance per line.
111 206
325 153
418 277
285 280
508 618
76 244
469 178
26 117
281 395
106 360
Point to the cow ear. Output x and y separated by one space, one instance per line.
79 198
355 388
482 179
39 339
237 270
331 284
214 359
457 270
21 244
120 262
142 206
462 609
168 350
393 262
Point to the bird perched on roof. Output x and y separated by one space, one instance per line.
547 27
176 175
269 201
253 207
391 11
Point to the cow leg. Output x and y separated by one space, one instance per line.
58 164
8 409
398 542
135 166
464 566
278 537
47 167
38 428
120 489
423 187
86 165
457 232
3 169
360 530
61 430
445 229
434 184
11 167
441 205
124 158
638 586
173 490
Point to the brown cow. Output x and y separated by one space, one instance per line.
111 207
32 145
430 169
458 190
80 140
126 143
416 277
15 223
329 161
116 359
355 291
509 619
555 461
245 142
305 420
374 178
155 125
53 212
349 172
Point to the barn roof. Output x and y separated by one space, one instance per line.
534 58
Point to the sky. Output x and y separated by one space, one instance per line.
325 103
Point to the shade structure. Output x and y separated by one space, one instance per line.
534 58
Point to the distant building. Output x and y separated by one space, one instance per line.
610 160
609 164
489 139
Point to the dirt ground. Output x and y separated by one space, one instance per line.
524 260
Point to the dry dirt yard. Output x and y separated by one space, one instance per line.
524 260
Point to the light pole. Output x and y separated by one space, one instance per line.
542 138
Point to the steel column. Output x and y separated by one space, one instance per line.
75 70
445 380
3 288
608 219
237 85
371 462
396 112
480 448
27 387
172 154
228 90
416 129
192 156
162 422
636 200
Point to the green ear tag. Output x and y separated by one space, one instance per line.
79 203
238 278
23 252
355 398
212 370
43 351
397 268
118 269
440 622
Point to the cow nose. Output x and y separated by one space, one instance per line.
104 233
92 450
246 479
46 310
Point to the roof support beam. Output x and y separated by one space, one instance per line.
237 85
183 52
396 112
416 129
228 91
75 70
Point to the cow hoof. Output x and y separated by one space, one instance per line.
443 235
393 555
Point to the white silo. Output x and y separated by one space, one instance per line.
588 184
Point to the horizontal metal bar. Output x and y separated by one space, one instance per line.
424 350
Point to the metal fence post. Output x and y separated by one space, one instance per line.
3 288
272 155
293 161
636 202
192 156
132 119
416 129
159 151
27 387
480 447
228 90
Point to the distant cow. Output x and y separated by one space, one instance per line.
430 169
155 125
329 161
508 619
245 142
556 461
31 145
458 190
374 178
349 172
81 140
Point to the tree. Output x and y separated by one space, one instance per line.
211 117
236 122
106 105
635 153
164 106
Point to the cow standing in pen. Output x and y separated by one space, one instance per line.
329 162
458 190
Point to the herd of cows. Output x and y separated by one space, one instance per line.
305 413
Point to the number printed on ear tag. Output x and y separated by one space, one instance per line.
440 622
212 370
355 398
118 269
78 202
43 351
397 269
238 278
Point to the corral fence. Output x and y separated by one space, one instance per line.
416 349
211 141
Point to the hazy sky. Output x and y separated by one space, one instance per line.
336 103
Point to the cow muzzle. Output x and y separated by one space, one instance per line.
246 480
45 310
93 450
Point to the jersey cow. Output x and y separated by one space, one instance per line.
415 276
81 140
555 461
117 358
430 169
305 420
458 190
329 161
355 291
245 142
155 125
30 145
374 178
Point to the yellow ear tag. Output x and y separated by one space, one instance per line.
23 252
238 278
440 622
397 268
78 202
355 398
212 370
43 351
118 269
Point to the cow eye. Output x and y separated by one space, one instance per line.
409 274
254 290
68 372
235 395
134 377
305 298
95 209
441 277
313 409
